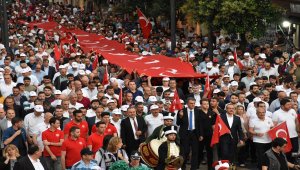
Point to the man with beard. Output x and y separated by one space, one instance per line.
254 90
78 122
92 111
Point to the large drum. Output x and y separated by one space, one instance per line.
149 152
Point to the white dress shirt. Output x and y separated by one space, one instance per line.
230 120
193 118
31 121
36 164
132 125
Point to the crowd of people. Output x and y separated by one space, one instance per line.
57 114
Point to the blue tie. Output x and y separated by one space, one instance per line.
191 121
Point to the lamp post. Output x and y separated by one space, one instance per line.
173 24
4 26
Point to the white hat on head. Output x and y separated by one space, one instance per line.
262 55
152 99
116 111
110 101
246 54
39 108
226 76
166 79
23 55
32 93
113 79
139 99
170 130
104 61
57 92
124 108
234 83
257 99
75 65
230 57
252 83
81 66
209 65
216 91
81 72
61 67
154 107
172 95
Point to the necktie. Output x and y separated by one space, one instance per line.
135 125
191 121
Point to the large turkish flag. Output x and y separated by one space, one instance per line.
281 131
220 129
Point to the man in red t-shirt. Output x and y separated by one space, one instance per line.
110 128
77 121
52 140
71 147
95 141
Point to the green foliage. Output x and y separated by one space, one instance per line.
234 16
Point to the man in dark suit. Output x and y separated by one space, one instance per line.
133 130
49 70
31 161
93 120
228 142
190 133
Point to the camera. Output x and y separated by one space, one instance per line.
295 154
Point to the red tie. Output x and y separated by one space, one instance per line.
135 125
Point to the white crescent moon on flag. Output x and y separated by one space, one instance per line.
283 131
145 19
220 126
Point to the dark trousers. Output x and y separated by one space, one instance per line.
188 142
242 154
295 148
261 148
228 149
205 143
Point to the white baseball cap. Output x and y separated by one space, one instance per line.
75 65
234 83
166 79
116 111
154 107
257 99
209 65
152 99
57 92
110 101
216 91
39 108
124 108
32 93
139 99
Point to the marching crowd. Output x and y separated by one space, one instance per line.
59 114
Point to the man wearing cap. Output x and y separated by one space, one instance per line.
158 132
31 120
154 119
135 158
87 161
231 68
165 83
116 120
210 70
168 151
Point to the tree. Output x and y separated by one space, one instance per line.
234 16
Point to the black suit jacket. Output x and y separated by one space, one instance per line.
127 132
51 71
25 164
184 124
236 129
91 121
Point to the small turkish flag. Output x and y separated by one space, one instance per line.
237 61
57 53
175 105
207 87
220 129
281 131
95 63
105 77
120 97
145 24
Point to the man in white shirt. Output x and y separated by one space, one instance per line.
92 111
115 119
73 101
40 128
268 70
7 86
286 113
31 121
154 119
259 128
90 91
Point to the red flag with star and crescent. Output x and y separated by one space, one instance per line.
105 77
175 105
237 61
281 131
145 24
220 129
95 63
57 53
207 87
